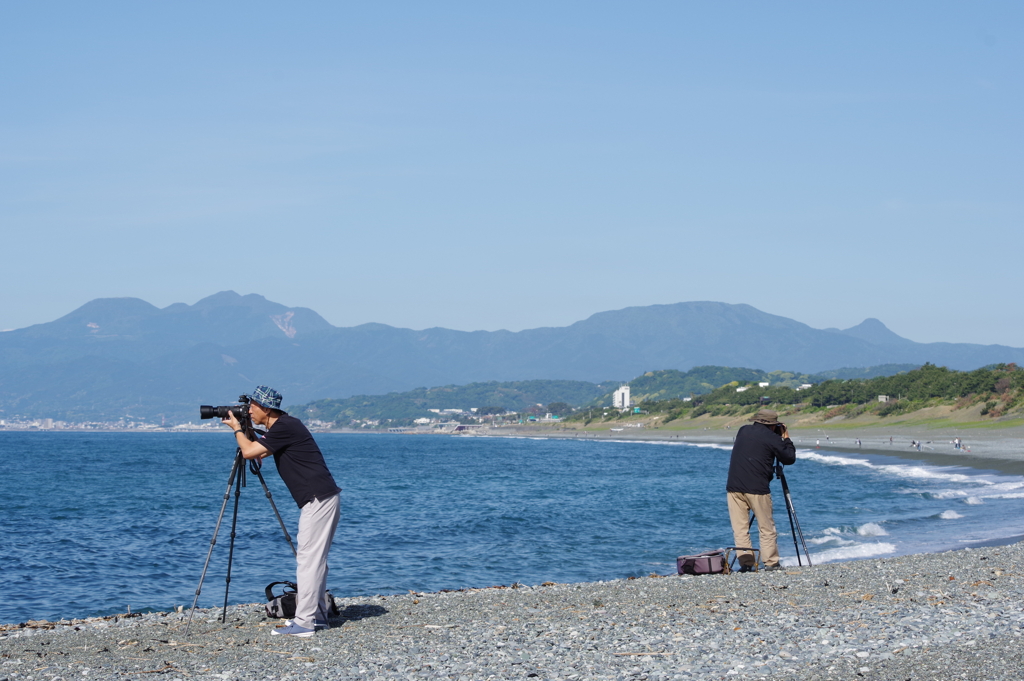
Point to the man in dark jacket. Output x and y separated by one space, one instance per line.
751 468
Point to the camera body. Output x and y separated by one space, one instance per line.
241 411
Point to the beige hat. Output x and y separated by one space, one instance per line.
766 416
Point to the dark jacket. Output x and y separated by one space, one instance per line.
753 458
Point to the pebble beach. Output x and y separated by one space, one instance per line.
953 615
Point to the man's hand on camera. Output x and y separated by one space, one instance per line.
231 421
785 432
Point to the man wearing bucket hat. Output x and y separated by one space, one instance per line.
751 467
304 471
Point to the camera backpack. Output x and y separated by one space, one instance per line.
283 606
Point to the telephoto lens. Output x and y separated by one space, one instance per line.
208 412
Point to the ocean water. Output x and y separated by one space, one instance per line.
94 523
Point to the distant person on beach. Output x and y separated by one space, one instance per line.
304 471
758 446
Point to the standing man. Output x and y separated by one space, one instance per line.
302 467
758 445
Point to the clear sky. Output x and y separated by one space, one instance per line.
513 165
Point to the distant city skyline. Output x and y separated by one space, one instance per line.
481 167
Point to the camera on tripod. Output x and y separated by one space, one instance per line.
241 411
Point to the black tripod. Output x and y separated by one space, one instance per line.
237 478
794 522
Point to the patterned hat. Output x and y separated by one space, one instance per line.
267 397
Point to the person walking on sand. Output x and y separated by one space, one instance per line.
751 467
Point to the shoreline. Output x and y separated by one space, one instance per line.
983 450
920 616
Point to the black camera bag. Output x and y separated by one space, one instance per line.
283 606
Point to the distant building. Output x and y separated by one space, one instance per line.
620 398
805 386
883 398
763 384
743 388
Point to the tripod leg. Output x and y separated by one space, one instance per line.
270 498
799 531
213 541
792 528
234 524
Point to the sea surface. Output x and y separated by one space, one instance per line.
95 523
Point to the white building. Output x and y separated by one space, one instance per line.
763 384
620 398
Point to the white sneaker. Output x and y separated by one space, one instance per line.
318 625
293 630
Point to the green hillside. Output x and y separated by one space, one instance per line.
999 388
671 384
402 408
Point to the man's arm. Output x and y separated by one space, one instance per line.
786 453
250 449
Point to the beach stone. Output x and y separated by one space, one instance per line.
754 626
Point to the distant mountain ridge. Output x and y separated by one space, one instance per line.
118 356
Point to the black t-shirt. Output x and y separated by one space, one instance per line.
753 458
299 461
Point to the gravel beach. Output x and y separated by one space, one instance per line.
952 615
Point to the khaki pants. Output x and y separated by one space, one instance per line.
740 506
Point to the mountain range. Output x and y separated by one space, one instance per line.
118 356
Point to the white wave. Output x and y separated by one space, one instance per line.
950 515
847 553
947 494
914 471
871 530
1006 486
973 501
811 455
836 541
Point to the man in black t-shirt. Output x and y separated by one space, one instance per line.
758 446
304 471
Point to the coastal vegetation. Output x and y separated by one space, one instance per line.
671 384
997 391
488 399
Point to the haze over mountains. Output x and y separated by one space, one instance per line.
118 356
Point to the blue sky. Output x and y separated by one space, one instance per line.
477 166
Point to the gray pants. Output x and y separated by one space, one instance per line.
317 523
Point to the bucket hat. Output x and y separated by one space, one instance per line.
267 397
766 416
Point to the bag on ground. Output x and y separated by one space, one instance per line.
706 563
283 606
